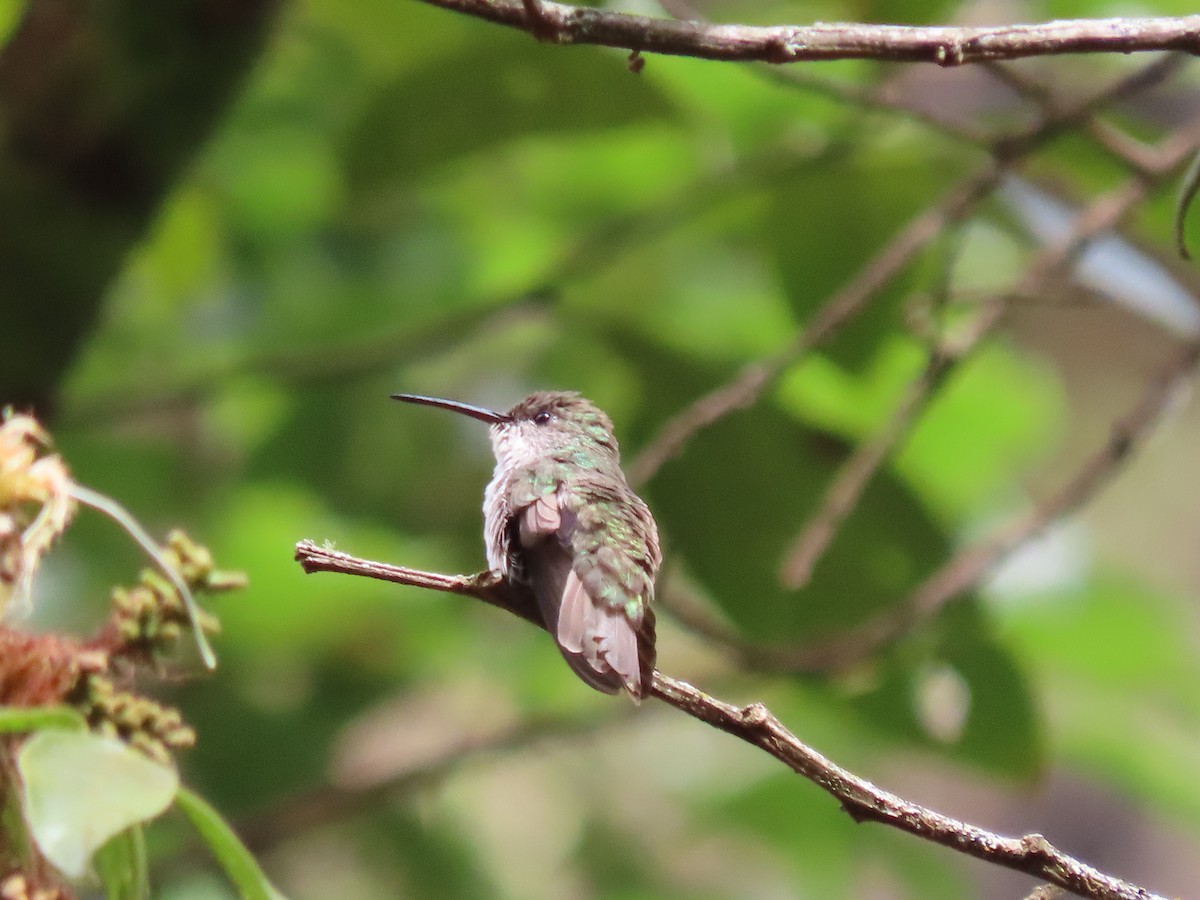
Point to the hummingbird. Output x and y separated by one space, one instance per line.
560 518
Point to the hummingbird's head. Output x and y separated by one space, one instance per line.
558 424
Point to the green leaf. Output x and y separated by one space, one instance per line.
491 91
956 688
829 221
239 864
21 718
122 866
1118 662
81 789
765 473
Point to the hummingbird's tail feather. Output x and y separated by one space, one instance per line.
600 636
572 614
610 642
575 622
594 629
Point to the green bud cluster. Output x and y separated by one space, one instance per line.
144 724
151 616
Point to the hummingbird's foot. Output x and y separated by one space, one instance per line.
485 581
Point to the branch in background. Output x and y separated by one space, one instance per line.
378 352
602 244
972 564
1128 433
297 367
968 567
747 387
1107 136
945 46
756 725
1055 122
885 96
855 473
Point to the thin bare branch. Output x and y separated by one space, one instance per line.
745 389
756 725
969 566
856 472
486 586
1127 434
944 46
884 96
864 802
1112 139
972 564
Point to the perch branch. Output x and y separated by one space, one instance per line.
756 725
560 23
486 586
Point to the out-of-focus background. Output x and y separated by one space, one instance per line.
232 230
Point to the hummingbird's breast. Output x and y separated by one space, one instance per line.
497 520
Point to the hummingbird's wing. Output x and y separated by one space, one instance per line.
575 591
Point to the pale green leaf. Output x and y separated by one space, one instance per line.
81 789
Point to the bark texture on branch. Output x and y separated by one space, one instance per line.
561 23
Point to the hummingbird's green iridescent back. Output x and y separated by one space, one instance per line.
561 517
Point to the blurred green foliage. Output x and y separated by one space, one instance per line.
404 199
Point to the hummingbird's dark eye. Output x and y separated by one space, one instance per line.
541 418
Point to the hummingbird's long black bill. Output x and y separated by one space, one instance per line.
475 412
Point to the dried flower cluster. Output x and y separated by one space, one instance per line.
36 504
96 676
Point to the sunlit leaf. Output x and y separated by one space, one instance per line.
1116 658
827 223
496 88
